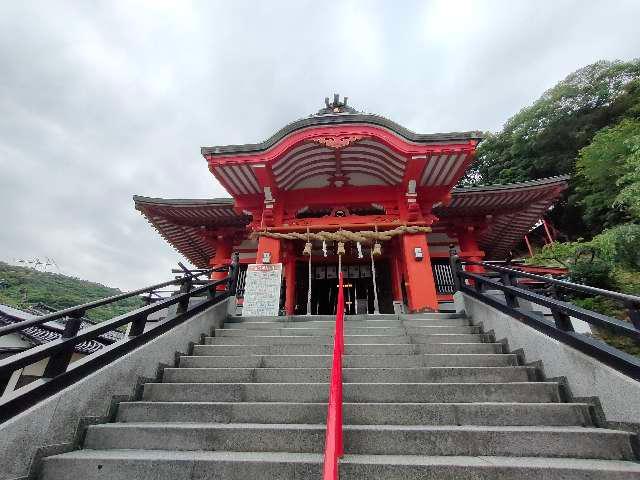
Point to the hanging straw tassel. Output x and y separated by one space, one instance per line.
377 248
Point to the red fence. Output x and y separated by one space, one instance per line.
333 440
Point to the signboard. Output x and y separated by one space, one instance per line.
262 290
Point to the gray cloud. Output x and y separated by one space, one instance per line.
103 100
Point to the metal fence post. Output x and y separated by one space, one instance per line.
137 325
508 280
634 313
183 305
234 270
562 320
59 361
454 264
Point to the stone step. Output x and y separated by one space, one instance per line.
412 316
352 323
570 442
350 375
363 349
208 465
575 414
350 361
349 330
407 467
348 339
521 392
347 318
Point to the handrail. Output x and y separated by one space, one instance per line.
60 372
333 447
79 310
623 297
561 327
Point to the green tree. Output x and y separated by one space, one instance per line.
608 174
24 287
544 139
629 196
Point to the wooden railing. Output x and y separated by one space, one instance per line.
333 448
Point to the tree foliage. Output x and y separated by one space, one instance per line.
610 260
608 175
629 195
22 287
543 139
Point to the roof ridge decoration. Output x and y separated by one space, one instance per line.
332 108
338 113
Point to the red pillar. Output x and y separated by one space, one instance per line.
290 279
271 245
396 273
222 258
469 249
421 288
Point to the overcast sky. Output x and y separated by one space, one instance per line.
103 100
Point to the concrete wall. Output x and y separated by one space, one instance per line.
52 424
587 377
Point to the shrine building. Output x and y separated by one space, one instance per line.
358 182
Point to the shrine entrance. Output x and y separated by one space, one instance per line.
358 291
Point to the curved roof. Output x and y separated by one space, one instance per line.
510 210
339 113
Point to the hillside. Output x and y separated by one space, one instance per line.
23 287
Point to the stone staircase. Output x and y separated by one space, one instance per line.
426 397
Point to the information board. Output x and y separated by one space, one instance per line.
262 290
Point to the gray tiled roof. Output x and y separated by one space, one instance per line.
342 119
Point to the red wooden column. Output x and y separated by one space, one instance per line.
469 249
396 271
421 288
271 245
222 258
290 278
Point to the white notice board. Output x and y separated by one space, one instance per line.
262 289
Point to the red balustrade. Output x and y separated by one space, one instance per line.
333 447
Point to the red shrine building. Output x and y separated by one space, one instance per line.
343 170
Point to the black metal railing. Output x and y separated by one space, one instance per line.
509 281
60 372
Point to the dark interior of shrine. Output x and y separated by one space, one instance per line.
358 292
